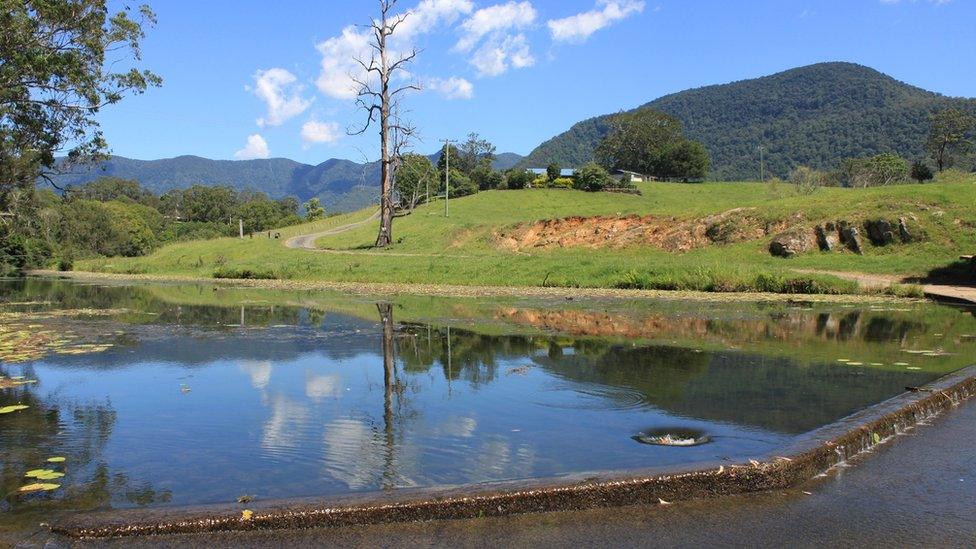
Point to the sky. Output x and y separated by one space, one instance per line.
259 79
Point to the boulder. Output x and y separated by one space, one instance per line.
789 244
881 232
827 237
851 237
903 231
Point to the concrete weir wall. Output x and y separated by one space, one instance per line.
804 458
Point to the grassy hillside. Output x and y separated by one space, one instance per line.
811 115
465 248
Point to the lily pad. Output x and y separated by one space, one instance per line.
56 459
43 474
38 487
12 409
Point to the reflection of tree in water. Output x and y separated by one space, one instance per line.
77 431
660 374
465 356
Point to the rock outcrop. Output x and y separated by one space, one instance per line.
789 244
851 237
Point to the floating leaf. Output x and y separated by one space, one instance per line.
43 474
14 408
876 437
56 459
38 487
843 360
855 364
247 514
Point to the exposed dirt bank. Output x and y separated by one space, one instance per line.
666 233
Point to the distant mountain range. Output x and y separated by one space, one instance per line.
815 115
341 185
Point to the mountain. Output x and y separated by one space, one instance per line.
341 185
814 115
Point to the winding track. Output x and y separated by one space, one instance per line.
307 241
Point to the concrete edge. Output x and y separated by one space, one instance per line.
806 457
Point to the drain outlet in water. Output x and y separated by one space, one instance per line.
680 437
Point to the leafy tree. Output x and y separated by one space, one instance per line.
517 178
637 141
593 178
260 214
56 73
921 171
56 76
415 174
208 204
553 171
105 189
486 178
947 137
685 160
807 180
876 171
461 185
448 151
473 153
313 210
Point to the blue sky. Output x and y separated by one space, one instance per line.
248 78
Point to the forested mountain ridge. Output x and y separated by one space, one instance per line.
341 185
815 115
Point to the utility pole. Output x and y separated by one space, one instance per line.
447 175
762 164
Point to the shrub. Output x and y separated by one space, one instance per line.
243 274
593 178
518 179
563 183
921 172
540 182
807 180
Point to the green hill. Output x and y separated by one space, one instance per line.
814 115
711 236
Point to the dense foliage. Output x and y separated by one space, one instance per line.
117 217
810 116
56 73
652 143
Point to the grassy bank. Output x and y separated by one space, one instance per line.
464 249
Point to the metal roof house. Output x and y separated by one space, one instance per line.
634 177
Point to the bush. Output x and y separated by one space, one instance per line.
518 179
921 172
593 178
540 182
243 274
807 180
563 183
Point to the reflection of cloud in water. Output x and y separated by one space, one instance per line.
495 459
320 387
283 430
354 453
457 426
259 372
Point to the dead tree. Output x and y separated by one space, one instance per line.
382 105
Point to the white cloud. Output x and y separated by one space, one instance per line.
314 131
339 68
277 88
494 19
579 27
429 14
498 54
498 31
452 88
256 147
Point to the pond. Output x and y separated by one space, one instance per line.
162 395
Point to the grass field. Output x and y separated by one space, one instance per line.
463 248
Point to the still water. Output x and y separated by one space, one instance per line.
176 395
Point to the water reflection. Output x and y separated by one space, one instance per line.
300 394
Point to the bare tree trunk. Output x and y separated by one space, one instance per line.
389 380
385 237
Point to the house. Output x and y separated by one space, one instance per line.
633 177
565 172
